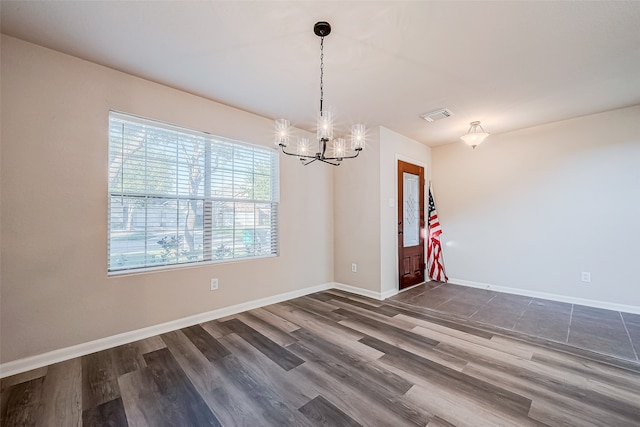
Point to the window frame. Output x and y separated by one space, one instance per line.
205 202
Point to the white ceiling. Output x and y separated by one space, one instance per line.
509 64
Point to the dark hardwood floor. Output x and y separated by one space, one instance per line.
331 359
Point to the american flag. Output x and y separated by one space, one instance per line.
435 261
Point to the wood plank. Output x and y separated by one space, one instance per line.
352 297
269 374
405 339
564 413
374 314
459 324
565 383
544 346
549 406
420 349
447 405
595 390
465 384
320 296
357 405
274 320
303 318
324 413
407 336
343 359
313 305
126 358
208 345
280 355
441 333
273 410
383 309
99 379
215 328
62 395
331 331
20 403
276 335
450 407
364 384
107 414
143 403
228 402
317 308
150 344
470 351
181 402
436 421
612 376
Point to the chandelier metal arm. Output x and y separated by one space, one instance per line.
329 163
344 157
320 156
305 156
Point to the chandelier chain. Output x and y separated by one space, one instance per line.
321 72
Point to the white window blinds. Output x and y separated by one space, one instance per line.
178 196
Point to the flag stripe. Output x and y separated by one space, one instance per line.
435 260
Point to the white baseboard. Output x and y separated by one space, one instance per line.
362 292
389 293
544 295
55 356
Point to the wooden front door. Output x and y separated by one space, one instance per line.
410 224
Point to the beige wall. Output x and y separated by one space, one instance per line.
532 209
357 217
55 289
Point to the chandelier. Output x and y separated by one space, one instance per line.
324 132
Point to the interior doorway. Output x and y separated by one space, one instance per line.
411 224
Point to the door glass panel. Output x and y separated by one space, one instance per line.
411 209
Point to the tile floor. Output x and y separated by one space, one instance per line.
604 331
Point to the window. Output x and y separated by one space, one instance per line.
178 196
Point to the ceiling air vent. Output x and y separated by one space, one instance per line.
434 116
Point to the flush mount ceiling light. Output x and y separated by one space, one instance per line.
324 132
475 135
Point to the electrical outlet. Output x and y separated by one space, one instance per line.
354 268
214 284
585 276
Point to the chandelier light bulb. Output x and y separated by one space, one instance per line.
357 137
303 146
282 132
339 147
325 127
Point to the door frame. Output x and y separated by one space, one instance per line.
427 171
